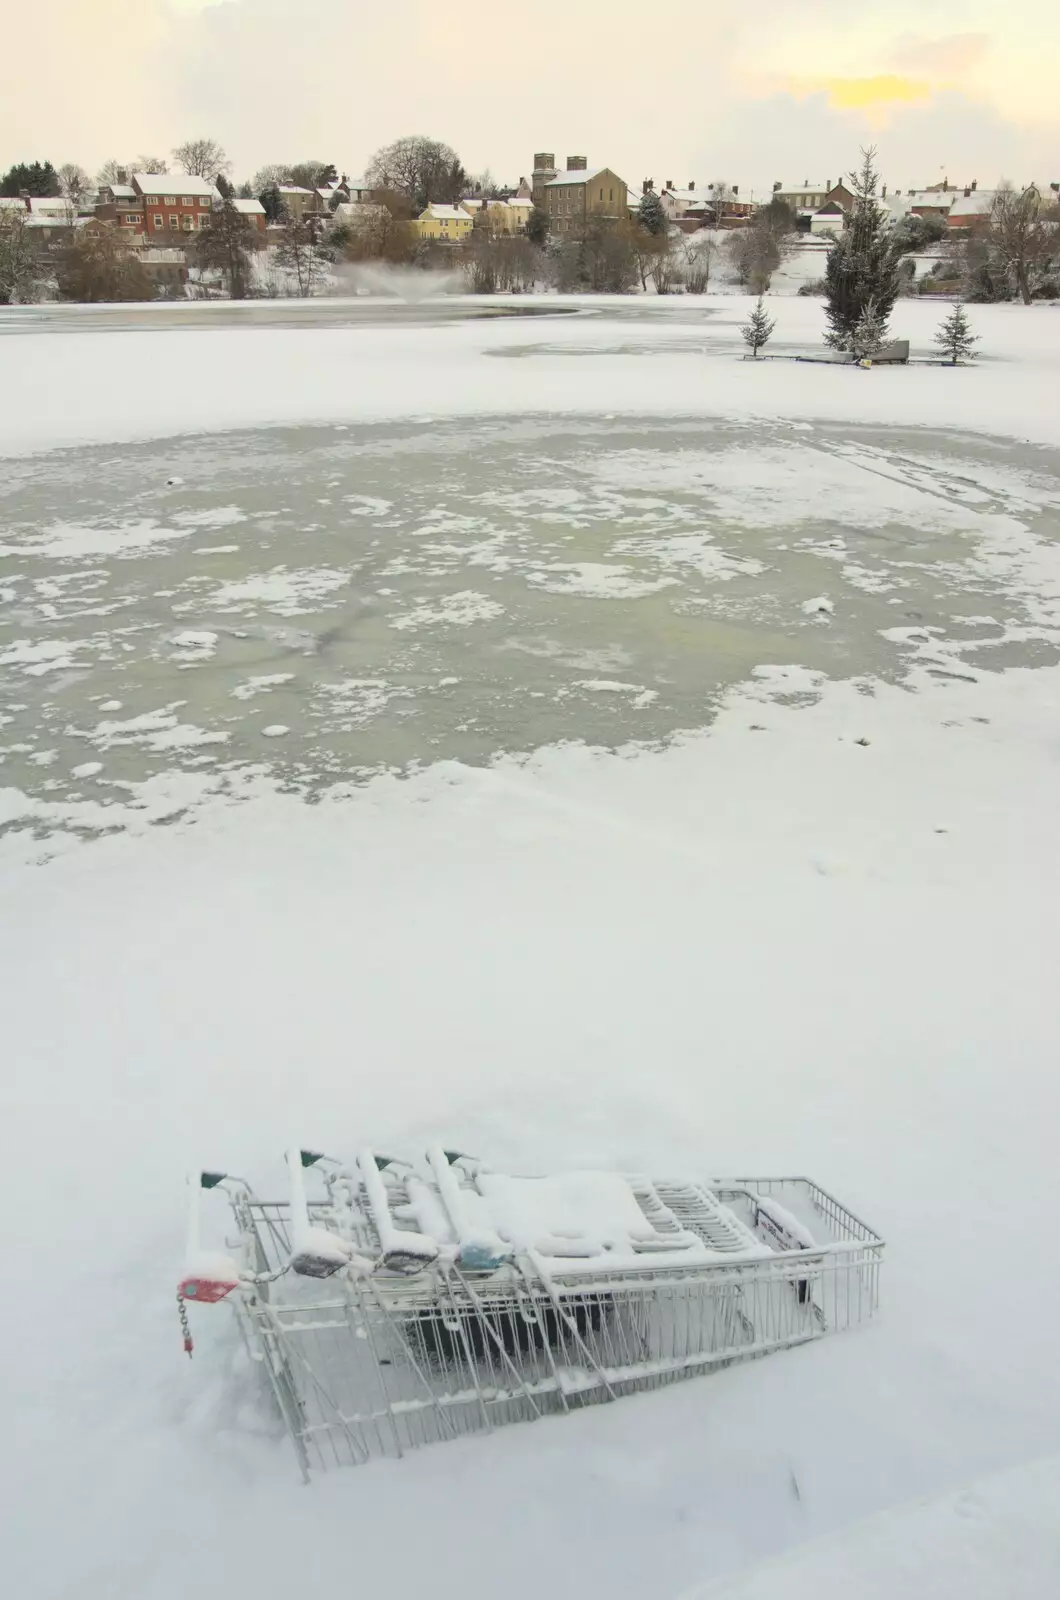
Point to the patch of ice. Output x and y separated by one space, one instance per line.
596 580
820 605
275 730
36 657
460 610
694 550
87 769
260 685
65 541
218 517
215 550
284 591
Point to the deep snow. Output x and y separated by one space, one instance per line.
815 937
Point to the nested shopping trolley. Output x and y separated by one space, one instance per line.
401 1304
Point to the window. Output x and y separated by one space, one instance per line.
132 218
204 222
187 200
204 205
157 219
187 223
170 200
174 222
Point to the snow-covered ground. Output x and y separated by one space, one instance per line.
818 934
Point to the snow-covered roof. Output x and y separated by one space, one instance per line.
805 188
943 198
521 202
121 191
446 213
574 177
173 183
11 203
472 205
50 206
292 188
249 208
976 204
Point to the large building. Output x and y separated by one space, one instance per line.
157 206
569 198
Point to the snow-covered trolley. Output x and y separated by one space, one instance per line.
399 1304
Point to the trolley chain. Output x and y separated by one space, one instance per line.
182 1313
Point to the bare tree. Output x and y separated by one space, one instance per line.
721 196
646 248
698 250
302 256
201 158
1023 235
419 168
18 265
270 177
226 245
378 231
150 164
108 173
75 184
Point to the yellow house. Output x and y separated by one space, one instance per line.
451 224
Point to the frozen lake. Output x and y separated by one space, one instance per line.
332 600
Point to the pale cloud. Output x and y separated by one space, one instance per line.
953 56
678 90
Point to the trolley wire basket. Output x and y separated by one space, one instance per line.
401 1308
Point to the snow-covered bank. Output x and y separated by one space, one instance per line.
817 937
621 356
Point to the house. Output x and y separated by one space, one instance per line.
501 216
675 201
174 203
569 198
157 206
119 204
726 211
828 220
166 268
807 199
972 210
298 202
450 224
253 211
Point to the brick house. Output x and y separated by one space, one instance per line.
253 213
569 198
158 208
173 204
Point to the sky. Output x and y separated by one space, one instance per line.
786 90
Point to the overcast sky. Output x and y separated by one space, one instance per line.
681 89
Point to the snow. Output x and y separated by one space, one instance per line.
53 394
813 936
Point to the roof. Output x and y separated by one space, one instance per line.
976 204
446 213
806 188
831 208
11 203
248 208
121 191
292 188
172 183
574 177
51 205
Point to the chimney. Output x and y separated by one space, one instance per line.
123 176
945 185
736 188
975 184
828 186
777 186
967 192
576 163
691 185
884 194
669 183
